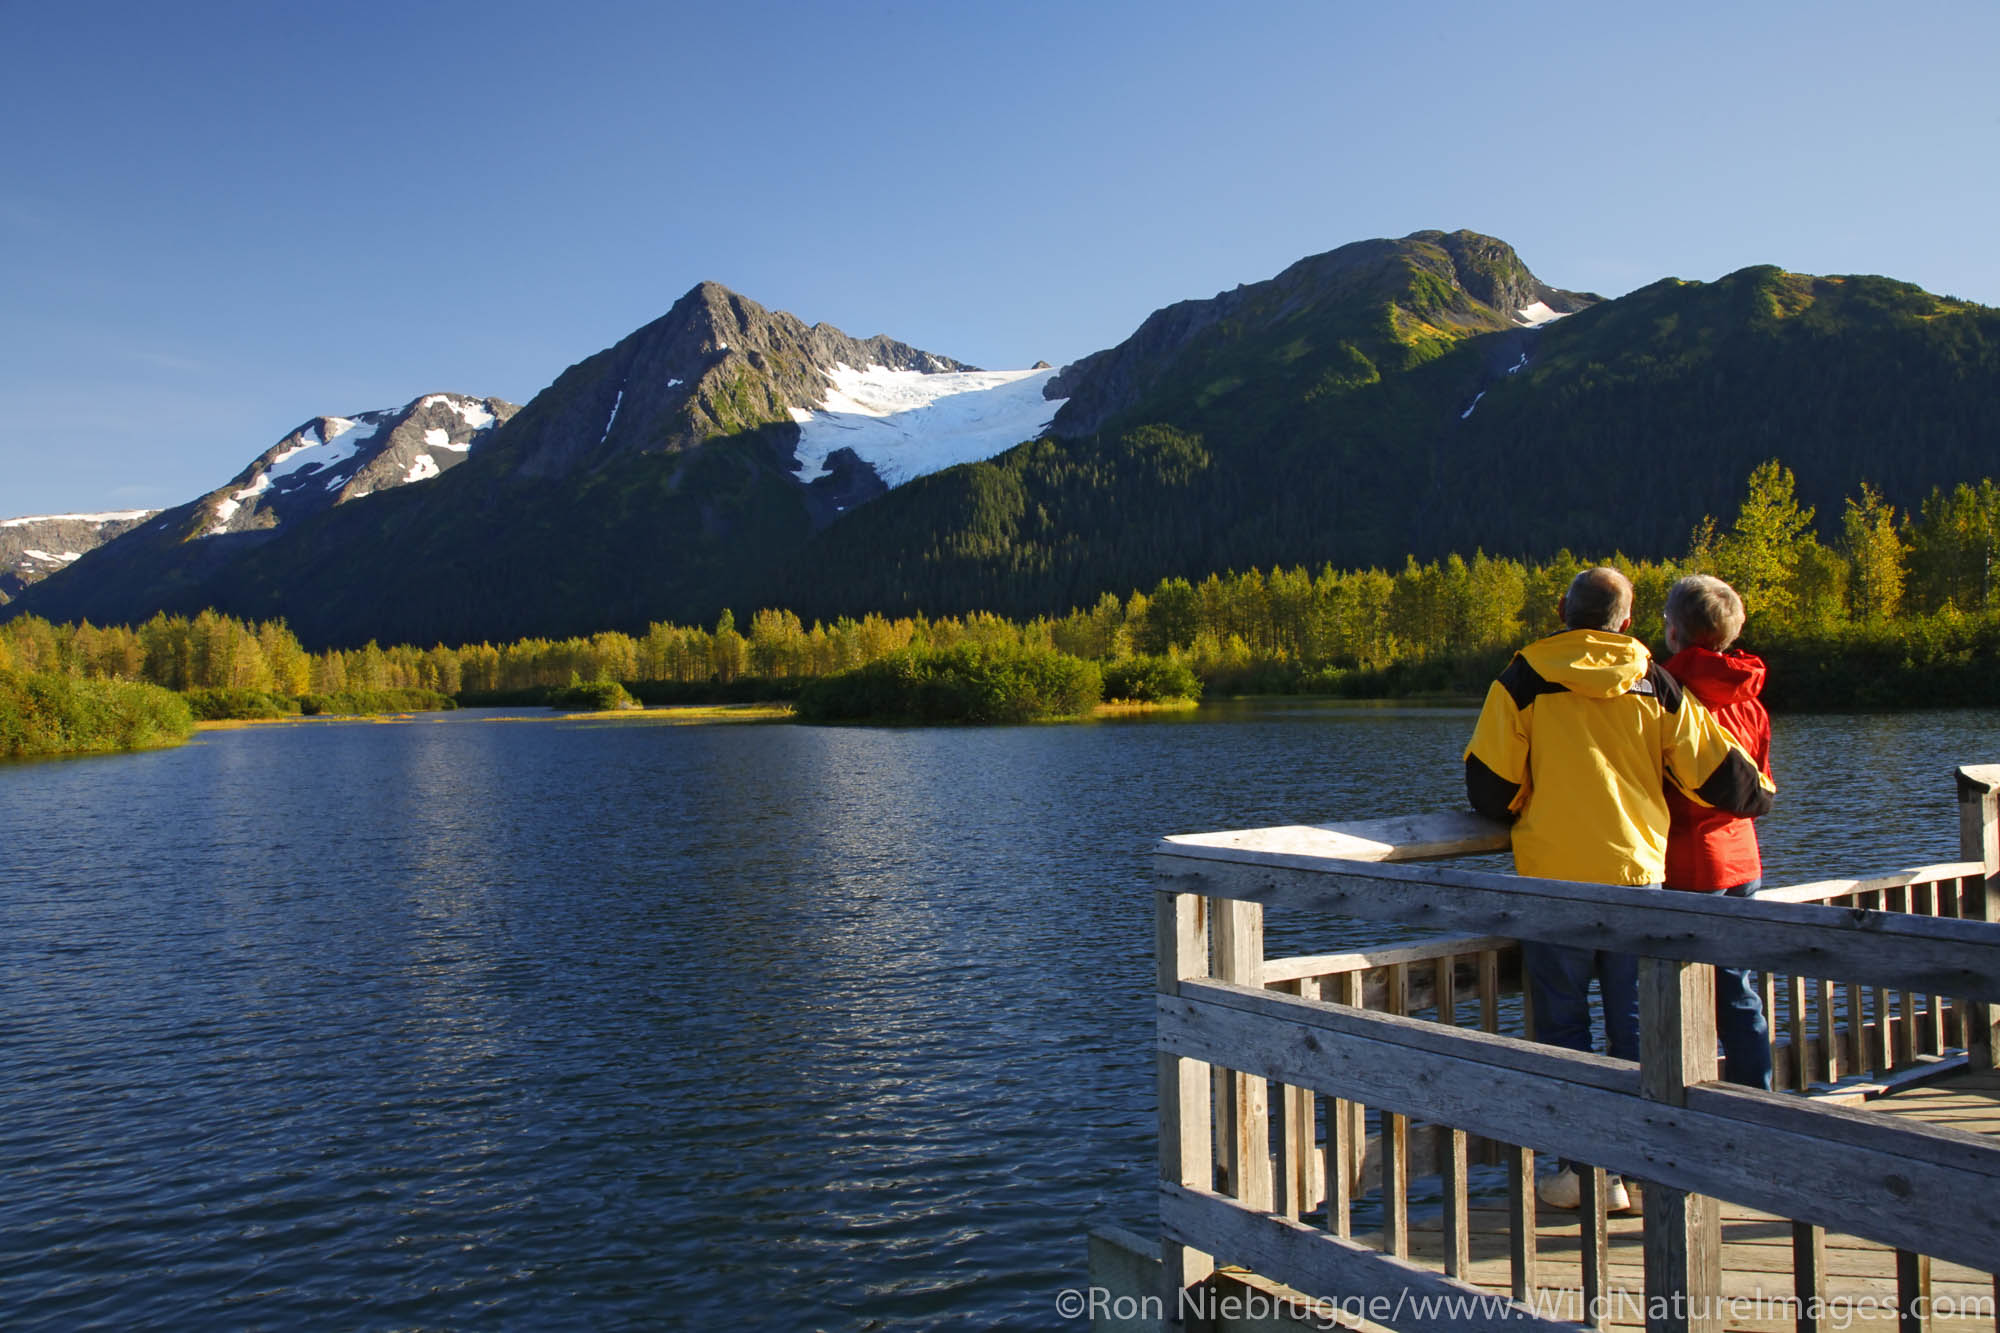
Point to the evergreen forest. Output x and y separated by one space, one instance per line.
1901 609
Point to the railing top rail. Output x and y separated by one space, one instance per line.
1933 955
1404 838
1329 964
1820 890
1430 837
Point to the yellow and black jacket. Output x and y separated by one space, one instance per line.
1578 738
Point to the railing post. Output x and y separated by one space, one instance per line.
1245 1116
1683 1231
1979 840
1186 1156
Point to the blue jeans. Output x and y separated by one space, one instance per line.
1558 977
1739 1017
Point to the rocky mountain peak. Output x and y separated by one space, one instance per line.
717 364
330 460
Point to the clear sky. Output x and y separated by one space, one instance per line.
219 220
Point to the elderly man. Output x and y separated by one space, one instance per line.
1577 742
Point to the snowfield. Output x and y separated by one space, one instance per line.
1536 315
906 423
73 518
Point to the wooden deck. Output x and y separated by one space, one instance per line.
1305 1098
1757 1258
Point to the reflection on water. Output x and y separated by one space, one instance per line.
600 1025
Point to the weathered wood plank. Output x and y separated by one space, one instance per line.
1327 964
1979 840
1809 1275
1396 1184
1186 1149
1594 1245
1390 1292
1485 1084
1244 1117
1403 838
1935 954
1913 1292
1683 1232
1979 901
1822 890
1521 1201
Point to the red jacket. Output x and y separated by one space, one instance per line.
1711 849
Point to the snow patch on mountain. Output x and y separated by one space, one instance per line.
343 440
613 419
1536 315
324 453
424 468
908 423
121 515
475 414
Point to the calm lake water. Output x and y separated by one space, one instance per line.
469 1022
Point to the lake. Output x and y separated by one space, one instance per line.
465 1021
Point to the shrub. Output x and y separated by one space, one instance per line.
215 705
51 714
1150 680
598 695
375 701
966 683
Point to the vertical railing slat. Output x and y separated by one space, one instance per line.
1879 1057
1346 1133
1795 1023
1452 1155
1594 1245
1683 1231
1239 957
1186 1145
1809 1275
1979 840
1521 1222
1913 1292
1395 1185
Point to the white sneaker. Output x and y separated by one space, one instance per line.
1564 1189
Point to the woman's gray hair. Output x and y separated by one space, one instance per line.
1706 611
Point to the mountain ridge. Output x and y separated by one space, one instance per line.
323 463
1387 398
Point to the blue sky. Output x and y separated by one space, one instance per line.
219 220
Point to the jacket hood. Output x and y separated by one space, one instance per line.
1718 678
1596 663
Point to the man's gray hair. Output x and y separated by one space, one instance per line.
1706 611
1598 598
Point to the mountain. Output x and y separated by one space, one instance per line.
327 462
1402 397
1314 326
33 548
1425 396
667 471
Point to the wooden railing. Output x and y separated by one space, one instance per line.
1294 1087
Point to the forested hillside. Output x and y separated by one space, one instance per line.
1899 609
1355 438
